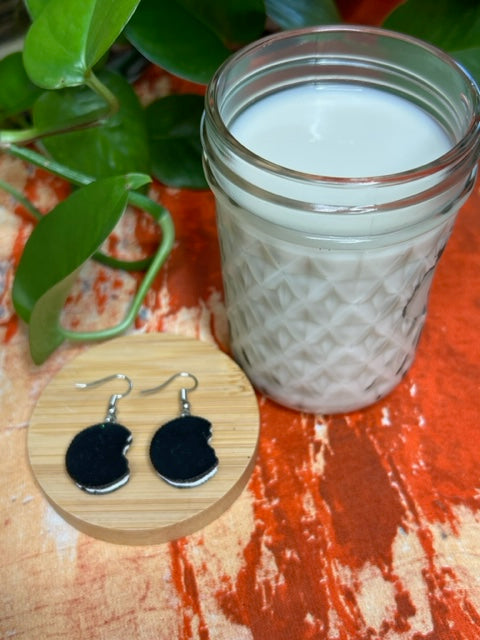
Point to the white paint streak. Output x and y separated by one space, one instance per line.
187 321
321 436
335 624
460 550
212 561
375 597
386 420
64 535
309 508
203 321
219 314
409 561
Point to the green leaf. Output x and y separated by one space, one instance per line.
178 40
17 92
45 333
291 14
35 7
173 125
470 59
68 37
452 25
65 238
118 146
236 22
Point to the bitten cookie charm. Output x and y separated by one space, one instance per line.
180 451
95 459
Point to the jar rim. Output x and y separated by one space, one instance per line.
455 155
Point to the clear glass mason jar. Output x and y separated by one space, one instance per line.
327 278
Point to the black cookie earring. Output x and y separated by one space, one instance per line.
179 450
95 458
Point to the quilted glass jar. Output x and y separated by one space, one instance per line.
339 158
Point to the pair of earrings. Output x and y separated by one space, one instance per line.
179 450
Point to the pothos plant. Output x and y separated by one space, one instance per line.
67 105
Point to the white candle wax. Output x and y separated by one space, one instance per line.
315 328
339 157
335 130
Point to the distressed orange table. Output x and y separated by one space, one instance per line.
362 526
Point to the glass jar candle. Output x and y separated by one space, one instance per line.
339 157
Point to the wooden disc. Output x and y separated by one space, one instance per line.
146 510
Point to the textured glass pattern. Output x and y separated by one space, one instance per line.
325 330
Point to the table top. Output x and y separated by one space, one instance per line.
357 526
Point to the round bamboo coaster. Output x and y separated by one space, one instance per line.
146 510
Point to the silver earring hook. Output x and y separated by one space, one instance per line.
111 415
184 391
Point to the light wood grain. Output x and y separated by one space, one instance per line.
146 510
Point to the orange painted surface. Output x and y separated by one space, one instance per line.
355 527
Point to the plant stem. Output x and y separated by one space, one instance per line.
164 219
13 136
29 155
103 91
92 118
117 263
32 210
81 179
158 213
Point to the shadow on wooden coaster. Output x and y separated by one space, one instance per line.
145 510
